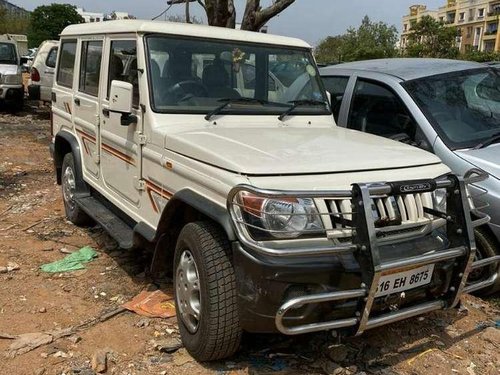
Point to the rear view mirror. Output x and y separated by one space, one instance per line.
120 101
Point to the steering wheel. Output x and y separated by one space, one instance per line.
184 90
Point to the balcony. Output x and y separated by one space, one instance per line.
490 34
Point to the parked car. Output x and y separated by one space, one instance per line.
269 217
11 80
42 71
448 107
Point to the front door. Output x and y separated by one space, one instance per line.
119 144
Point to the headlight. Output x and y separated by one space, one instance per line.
284 218
439 199
11 79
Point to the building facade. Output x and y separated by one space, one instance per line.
477 22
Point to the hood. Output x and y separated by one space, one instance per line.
8 69
287 150
488 158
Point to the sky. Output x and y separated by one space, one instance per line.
311 20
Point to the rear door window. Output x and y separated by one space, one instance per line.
66 63
90 67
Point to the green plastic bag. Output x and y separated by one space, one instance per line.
71 262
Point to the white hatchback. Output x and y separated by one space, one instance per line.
42 71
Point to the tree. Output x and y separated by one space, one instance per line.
371 40
223 13
432 38
47 22
12 24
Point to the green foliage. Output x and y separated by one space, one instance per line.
481 56
372 40
431 38
48 21
12 24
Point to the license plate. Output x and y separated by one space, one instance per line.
401 281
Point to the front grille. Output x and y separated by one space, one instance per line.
392 214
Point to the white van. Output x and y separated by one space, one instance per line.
268 216
42 71
11 80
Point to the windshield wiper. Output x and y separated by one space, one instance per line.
494 139
228 101
297 103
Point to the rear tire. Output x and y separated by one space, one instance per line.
205 288
68 185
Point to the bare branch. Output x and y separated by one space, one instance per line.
266 14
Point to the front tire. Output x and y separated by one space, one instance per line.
486 247
68 184
205 289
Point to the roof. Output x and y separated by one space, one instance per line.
177 28
405 69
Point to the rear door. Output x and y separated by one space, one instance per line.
86 102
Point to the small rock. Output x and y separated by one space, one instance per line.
331 368
440 343
75 339
99 361
338 352
168 345
61 354
143 323
42 310
65 251
3 270
39 371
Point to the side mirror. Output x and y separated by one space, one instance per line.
120 101
24 60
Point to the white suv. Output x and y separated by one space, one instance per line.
11 80
42 71
270 218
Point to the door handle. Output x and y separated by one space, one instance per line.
77 101
105 112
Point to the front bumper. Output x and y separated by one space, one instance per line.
336 288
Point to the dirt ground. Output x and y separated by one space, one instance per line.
33 231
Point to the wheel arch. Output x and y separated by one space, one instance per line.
184 207
65 143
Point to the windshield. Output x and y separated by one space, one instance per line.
463 107
8 54
198 75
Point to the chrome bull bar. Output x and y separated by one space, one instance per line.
365 248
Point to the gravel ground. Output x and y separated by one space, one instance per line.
72 315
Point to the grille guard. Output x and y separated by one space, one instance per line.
365 248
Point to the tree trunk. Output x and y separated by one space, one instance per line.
221 13
255 17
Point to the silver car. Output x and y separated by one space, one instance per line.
448 107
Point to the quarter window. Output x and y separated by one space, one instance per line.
90 68
66 63
123 65
51 58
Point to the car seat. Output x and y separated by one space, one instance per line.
216 80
